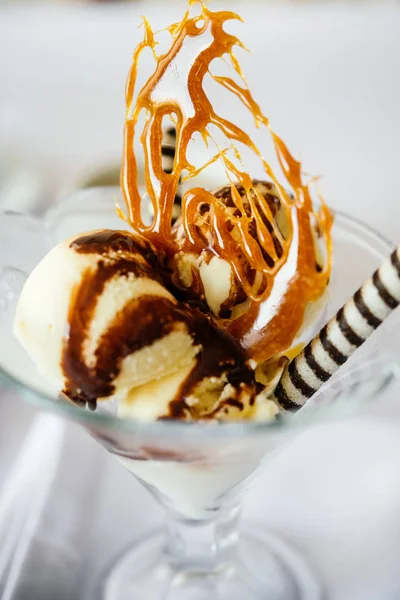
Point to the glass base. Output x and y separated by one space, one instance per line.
264 568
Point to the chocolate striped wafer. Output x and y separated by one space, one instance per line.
344 333
168 151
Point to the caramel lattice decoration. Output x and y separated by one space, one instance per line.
258 237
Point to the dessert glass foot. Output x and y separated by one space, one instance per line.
198 472
259 566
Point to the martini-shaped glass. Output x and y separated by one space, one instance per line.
198 472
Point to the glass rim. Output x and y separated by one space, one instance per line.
174 427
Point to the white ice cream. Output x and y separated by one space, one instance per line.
42 320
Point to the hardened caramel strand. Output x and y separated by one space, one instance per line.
309 282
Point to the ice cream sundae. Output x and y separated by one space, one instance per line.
194 315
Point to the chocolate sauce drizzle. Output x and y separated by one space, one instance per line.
142 321
119 257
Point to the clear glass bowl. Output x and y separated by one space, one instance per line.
198 472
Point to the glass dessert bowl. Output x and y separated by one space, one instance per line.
199 472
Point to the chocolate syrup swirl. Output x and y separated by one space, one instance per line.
142 321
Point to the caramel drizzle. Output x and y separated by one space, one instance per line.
309 283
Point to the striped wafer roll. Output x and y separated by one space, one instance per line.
168 150
344 333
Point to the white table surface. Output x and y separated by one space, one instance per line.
329 79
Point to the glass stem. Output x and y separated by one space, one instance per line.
203 545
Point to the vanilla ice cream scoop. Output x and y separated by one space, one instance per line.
99 323
90 312
211 279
